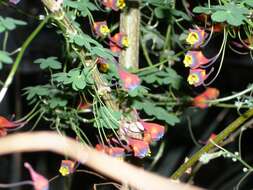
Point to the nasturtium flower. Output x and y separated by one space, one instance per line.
130 81
101 29
140 147
103 65
196 77
195 37
67 167
200 101
116 152
115 48
39 181
6 124
101 148
155 130
211 93
194 59
120 39
114 4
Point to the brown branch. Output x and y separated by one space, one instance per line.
111 167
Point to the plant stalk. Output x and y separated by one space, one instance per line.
219 139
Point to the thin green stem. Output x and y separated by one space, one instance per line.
222 50
240 141
145 53
243 178
232 96
219 138
191 132
233 155
19 58
6 35
151 67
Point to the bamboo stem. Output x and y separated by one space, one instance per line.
130 25
219 138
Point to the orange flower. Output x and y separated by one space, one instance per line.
5 124
195 59
116 152
114 4
101 29
156 131
200 102
195 37
120 39
209 94
130 81
39 181
67 167
197 77
140 148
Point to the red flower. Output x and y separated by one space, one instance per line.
115 48
39 181
130 81
212 136
140 148
112 151
101 148
5 124
195 37
197 77
115 151
195 59
209 94
120 39
155 130
101 29
114 4
200 102
67 167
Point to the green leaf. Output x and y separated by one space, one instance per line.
159 112
233 14
57 102
108 118
60 77
201 9
8 24
50 62
79 40
167 76
159 12
249 2
181 14
40 90
219 16
5 58
75 77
